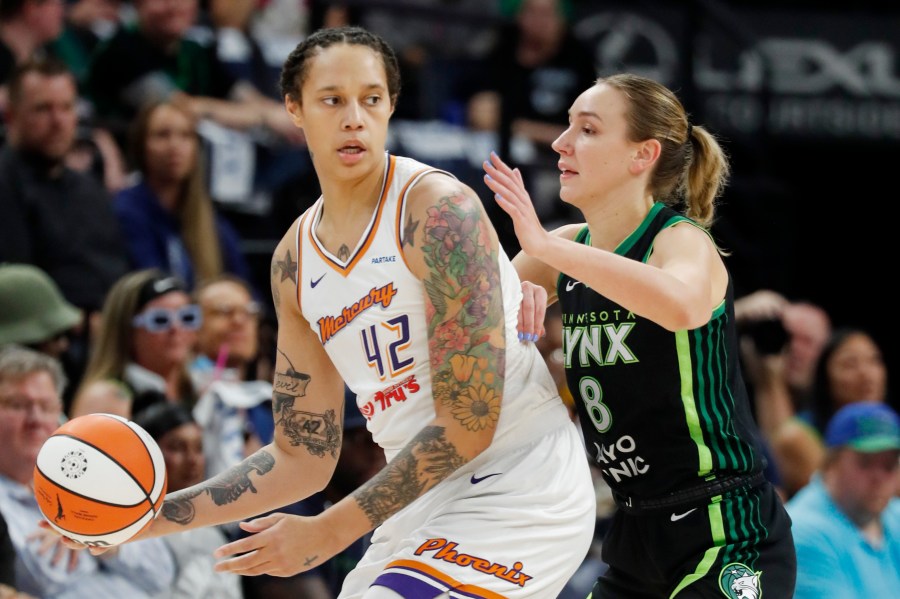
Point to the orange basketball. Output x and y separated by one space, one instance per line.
100 479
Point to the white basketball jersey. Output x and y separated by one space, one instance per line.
369 314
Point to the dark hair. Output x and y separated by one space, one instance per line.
822 406
48 66
161 416
294 71
692 166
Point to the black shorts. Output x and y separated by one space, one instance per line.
737 546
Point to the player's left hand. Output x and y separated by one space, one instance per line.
532 312
282 545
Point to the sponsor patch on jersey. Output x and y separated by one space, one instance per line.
383 259
737 581
385 398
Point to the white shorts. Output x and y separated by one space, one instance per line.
513 526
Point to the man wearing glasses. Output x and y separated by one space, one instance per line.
31 384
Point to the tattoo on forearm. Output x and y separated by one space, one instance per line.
409 231
222 489
427 460
466 329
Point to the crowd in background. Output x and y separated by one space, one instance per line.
147 167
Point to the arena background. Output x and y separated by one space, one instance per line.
805 98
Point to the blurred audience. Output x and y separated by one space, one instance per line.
141 355
181 441
31 385
156 58
52 216
234 407
167 216
781 342
536 70
846 522
33 311
26 27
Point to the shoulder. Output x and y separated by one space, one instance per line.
439 188
569 231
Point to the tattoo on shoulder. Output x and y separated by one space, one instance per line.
409 231
222 489
285 268
428 459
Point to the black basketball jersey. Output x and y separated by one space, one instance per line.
660 411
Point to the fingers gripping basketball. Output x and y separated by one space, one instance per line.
100 479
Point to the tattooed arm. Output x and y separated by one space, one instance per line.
450 244
307 406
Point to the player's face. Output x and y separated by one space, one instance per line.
595 155
163 351
345 110
45 119
171 146
30 409
230 317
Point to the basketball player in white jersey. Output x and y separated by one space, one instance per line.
394 282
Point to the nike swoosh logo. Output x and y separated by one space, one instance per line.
677 517
571 285
475 480
316 282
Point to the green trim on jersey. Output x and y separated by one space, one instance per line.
686 369
717 525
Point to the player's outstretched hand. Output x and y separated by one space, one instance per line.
511 195
532 311
282 545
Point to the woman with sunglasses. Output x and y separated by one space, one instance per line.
147 333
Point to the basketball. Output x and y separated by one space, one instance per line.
100 479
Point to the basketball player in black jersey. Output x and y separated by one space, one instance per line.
651 349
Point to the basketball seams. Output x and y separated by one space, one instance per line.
96 481
118 463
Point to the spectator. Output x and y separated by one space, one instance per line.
537 69
781 342
850 369
181 441
26 26
54 217
234 409
146 336
31 386
168 218
33 311
157 59
846 522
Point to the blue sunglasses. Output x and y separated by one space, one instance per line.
158 320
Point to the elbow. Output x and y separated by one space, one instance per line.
685 316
